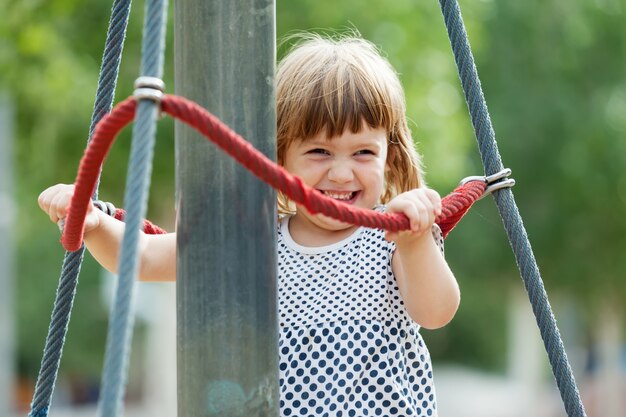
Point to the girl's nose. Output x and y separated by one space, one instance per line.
340 172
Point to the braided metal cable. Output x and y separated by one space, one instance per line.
72 261
121 320
508 210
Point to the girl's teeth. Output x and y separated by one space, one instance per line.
337 196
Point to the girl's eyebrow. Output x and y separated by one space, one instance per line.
316 142
368 143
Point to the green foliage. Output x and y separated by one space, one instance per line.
50 53
559 88
553 75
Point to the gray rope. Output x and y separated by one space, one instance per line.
135 199
72 261
509 212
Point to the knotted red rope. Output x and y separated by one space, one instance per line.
455 205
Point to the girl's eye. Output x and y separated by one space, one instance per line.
318 151
365 152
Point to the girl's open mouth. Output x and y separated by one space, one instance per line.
343 196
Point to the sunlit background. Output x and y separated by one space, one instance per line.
554 76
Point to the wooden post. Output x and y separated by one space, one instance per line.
7 251
226 285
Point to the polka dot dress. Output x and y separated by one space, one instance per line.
347 345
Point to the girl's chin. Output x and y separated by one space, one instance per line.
332 223
324 222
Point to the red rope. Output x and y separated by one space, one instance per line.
148 227
455 205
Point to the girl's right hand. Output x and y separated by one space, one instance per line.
55 201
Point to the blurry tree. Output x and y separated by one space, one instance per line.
556 74
50 53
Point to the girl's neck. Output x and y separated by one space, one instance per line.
308 234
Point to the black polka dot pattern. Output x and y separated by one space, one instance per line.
347 345
438 235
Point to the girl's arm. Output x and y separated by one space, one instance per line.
157 253
103 237
428 287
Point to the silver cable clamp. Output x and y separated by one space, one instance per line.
104 206
150 88
494 182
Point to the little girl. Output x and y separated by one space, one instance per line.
351 299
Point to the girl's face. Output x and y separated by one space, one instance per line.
350 168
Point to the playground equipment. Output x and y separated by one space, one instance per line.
254 387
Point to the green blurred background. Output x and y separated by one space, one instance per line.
554 77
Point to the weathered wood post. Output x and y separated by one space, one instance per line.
226 285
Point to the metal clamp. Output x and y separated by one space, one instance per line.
150 88
494 182
105 206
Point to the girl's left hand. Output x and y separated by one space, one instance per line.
421 206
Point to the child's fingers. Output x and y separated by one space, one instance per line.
54 201
426 215
429 203
41 200
408 207
415 210
45 198
46 204
52 209
435 199
58 206
420 206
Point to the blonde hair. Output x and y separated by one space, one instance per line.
333 84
